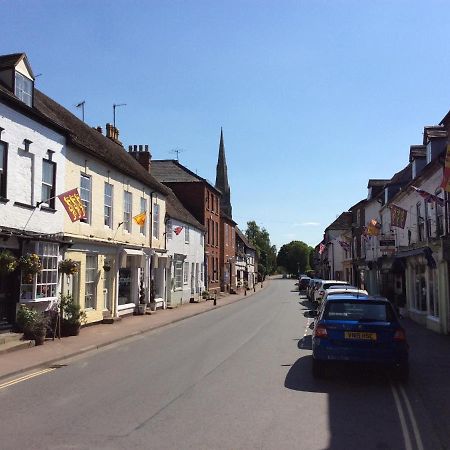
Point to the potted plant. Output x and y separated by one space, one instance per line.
68 267
8 262
25 319
140 307
39 328
72 317
205 295
107 266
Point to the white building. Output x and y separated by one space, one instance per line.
246 262
32 172
185 238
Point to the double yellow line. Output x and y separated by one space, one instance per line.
25 378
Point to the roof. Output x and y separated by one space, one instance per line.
176 210
433 132
244 239
402 177
11 60
417 151
376 182
171 171
358 204
95 143
343 222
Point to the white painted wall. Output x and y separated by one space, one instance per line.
25 172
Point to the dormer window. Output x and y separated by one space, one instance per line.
23 88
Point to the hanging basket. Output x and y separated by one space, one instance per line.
68 267
30 263
8 262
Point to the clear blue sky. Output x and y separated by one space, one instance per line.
315 97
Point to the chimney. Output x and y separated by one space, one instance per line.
142 155
99 129
112 133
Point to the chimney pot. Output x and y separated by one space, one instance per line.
135 148
146 148
130 148
141 147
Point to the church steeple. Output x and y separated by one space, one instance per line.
222 179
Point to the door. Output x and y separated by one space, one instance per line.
192 279
9 296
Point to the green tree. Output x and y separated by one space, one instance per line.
295 257
266 252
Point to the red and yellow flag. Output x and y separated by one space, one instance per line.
73 204
140 218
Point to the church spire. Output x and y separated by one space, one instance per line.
222 179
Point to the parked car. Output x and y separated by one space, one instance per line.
323 286
303 283
361 330
312 287
337 289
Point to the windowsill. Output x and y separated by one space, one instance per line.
37 300
48 209
433 318
4 200
24 205
125 306
416 311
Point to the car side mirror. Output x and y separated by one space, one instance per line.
310 314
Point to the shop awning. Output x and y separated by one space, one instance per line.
424 251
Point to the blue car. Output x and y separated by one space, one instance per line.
361 330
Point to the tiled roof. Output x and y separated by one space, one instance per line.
171 171
402 177
176 210
93 142
433 131
8 61
343 222
244 239
417 151
376 182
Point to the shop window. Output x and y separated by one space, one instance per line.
420 297
90 282
433 289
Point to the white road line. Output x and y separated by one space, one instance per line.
401 415
413 419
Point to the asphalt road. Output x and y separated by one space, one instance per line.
238 377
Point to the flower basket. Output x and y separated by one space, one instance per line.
107 266
8 262
30 263
68 267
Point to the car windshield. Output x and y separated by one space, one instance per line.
333 285
362 311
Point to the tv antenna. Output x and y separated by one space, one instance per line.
115 105
177 152
81 105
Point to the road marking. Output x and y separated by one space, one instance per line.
413 419
25 378
401 415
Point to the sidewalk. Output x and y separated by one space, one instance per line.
97 336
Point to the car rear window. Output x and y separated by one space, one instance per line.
328 285
359 310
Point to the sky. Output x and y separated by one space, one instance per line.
315 97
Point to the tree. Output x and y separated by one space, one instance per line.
295 257
267 253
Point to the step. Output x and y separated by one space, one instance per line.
9 337
15 345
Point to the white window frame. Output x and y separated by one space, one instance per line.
108 218
156 214
169 231
127 211
185 272
86 197
186 235
21 82
143 228
178 274
48 199
90 298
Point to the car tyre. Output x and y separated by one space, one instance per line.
318 368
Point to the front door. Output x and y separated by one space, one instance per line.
9 295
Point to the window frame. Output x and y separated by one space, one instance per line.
186 235
155 221
109 217
143 208
127 212
88 207
4 171
52 197
92 304
185 272
21 93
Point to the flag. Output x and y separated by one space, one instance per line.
446 178
373 229
73 205
140 218
321 248
178 230
345 245
429 198
398 216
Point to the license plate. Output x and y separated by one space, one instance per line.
361 335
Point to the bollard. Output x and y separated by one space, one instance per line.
254 287
215 298
245 291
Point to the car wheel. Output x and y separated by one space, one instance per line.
401 372
318 368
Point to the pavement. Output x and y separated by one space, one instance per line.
93 337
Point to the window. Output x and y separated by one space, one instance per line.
439 215
3 168
169 233
434 299
48 183
202 238
186 235
42 285
358 217
89 285
142 228
24 89
420 224
217 234
127 210
85 194
156 220
226 234
108 213
186 273
420 294
207 200
427 220
178 267
202 272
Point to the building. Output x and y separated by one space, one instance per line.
246 261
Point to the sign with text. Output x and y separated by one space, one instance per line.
398 216
73 205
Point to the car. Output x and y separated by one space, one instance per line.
311 288
319 292
303 283
343 289
367 329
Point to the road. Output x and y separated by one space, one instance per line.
237 377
